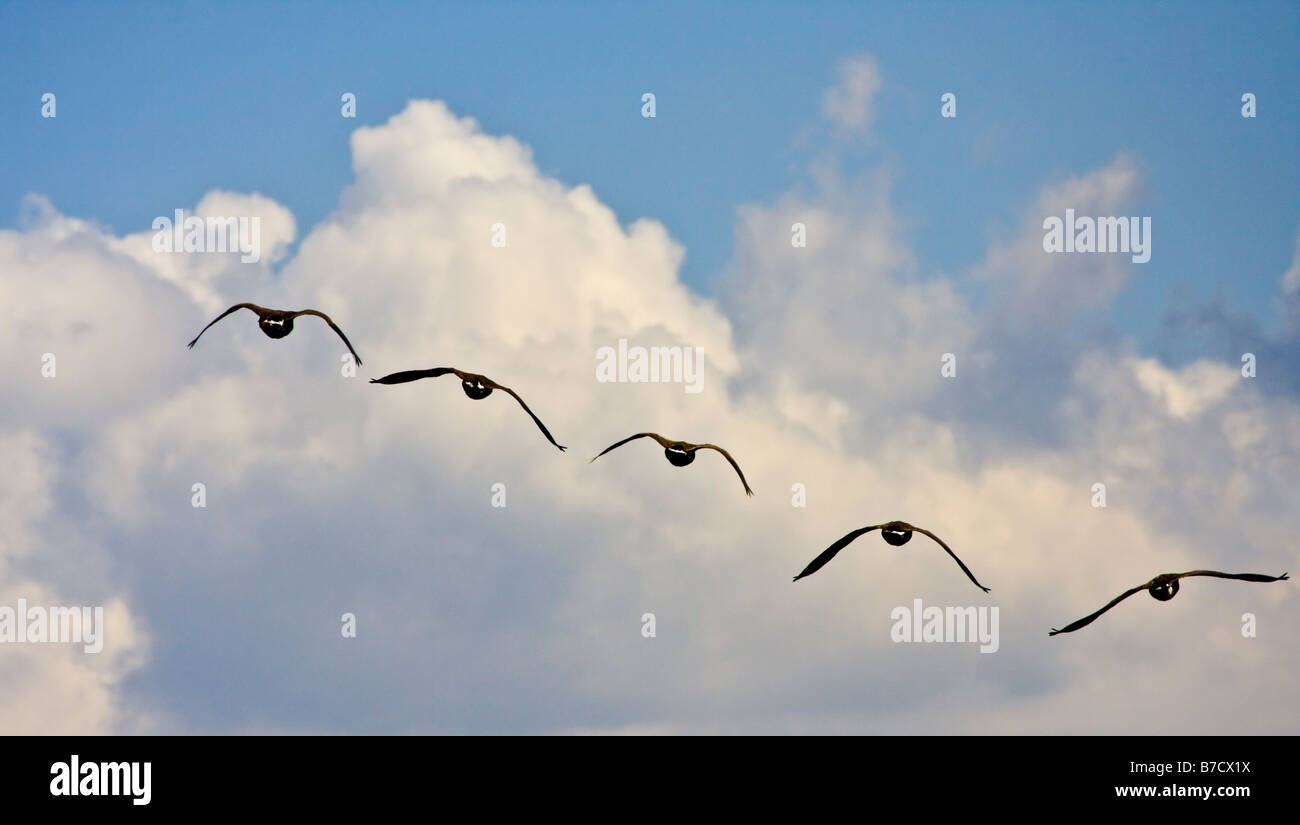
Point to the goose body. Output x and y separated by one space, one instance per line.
278 323
896 533
1163 588
681 453
474 386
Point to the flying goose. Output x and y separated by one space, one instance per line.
896 533
277 323
475 386
681 453
1163 588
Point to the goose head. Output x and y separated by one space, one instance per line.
896 536
679 457
276 326
475 389
1164 590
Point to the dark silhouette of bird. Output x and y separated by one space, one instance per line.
681 453
475 386
1163 588
896 533
277 323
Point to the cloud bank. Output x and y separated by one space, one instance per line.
326 495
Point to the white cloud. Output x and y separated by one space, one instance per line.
1040 288
847 103
57 688
1186 392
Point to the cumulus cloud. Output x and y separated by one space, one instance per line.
1038 287
327 495
58 687
1188 391
204 276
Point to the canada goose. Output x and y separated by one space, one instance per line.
681 453
896 533
475 386
277 323
1163 588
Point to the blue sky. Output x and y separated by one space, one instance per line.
158 103
328 495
